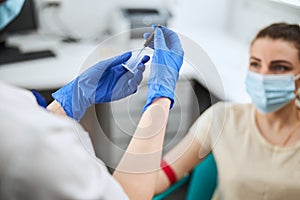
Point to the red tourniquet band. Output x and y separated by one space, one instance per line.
168 171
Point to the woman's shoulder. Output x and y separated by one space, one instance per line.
232 108
220 114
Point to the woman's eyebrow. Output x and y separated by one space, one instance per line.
281 61
252 57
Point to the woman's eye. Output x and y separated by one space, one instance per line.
254 64
280 68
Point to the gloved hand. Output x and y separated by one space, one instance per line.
106 81
166 63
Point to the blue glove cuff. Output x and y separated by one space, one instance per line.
63 97
68 97
39 98
161 84
157 91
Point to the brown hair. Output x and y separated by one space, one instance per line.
284 31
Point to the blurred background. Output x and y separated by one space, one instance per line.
51 41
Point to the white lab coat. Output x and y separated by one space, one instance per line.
43 156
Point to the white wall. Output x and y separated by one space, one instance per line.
248 17
241 18
202 14
83 18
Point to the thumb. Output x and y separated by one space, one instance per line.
159 40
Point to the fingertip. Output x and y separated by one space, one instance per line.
124 57
159 33
163 27
159 36
146 35
145 59
127 55
157 25
159 29
154 26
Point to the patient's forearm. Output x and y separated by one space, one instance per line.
137 171
56 108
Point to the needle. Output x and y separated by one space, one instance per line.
131 65
150 38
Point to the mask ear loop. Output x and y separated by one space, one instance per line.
297 100
297 77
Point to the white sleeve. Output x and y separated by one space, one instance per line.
61 166
43 156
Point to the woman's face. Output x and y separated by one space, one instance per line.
268 56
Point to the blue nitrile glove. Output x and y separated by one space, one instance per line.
39 98
166 63
106 81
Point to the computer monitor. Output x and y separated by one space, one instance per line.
26 21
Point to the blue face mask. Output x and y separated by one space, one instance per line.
9 10
269 93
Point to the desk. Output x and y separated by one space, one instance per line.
47 73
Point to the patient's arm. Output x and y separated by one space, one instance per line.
182 159
138 169
56 108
